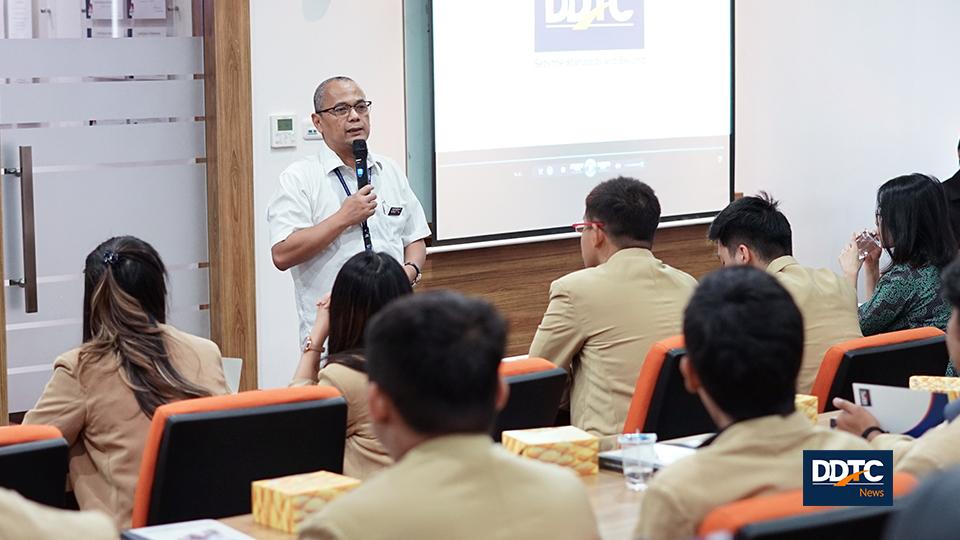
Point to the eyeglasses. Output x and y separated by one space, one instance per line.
580 227
341 110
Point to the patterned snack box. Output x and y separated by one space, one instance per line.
941 385
566 446
283 503
808 404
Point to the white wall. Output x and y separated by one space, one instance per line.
294 45
834 98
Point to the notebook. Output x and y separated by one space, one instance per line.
207 529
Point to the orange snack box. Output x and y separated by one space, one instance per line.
941 385
807 404
566 446
283 503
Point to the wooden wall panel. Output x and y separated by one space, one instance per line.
229 137
517 278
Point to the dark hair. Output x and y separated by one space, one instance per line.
950 281
436 355
744 338
628 209
124 301
756 222
365 283
914 221
322 90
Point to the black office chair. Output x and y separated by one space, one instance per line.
536 387
202 454
661 403
852 522
33 462
889 359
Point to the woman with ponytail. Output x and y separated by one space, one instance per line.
103 394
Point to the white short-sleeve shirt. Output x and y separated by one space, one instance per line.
310 191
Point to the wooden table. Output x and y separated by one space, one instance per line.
617 508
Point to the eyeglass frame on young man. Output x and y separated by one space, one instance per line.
345 110
584 225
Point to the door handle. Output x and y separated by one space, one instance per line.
29 281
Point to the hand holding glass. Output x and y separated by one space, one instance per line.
867 241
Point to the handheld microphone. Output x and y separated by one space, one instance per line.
360 162
363 178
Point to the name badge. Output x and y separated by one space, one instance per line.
394 211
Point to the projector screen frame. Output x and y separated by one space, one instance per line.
558 233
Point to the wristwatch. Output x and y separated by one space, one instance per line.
416 279
308 346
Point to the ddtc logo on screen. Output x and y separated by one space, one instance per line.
588 25
847 478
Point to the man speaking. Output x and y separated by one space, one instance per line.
321 215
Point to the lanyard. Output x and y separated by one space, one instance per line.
364 229
342 181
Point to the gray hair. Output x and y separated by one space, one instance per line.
322 89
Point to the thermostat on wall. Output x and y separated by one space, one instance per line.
283 133
310 131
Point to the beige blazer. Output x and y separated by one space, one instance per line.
105 428
600 325
829 308
21 519
363 455
753 457
935 450
460 487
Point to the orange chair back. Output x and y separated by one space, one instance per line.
647 381
525 366
731 517
33 462
837 372
536 387
10 435
252 400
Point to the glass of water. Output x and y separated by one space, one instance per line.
639 456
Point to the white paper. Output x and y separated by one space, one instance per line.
208 529
900 410
106 10
20 19
148 9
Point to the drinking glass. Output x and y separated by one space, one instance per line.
639 456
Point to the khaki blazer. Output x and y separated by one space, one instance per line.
363 454
460 487
21 519
829 308
105 428
935 450
753 457
600 324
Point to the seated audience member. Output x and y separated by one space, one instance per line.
432 360
22 519
744 340
911 219
927 514
602 320
365 283
752 231
103 394
951 187
939 447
